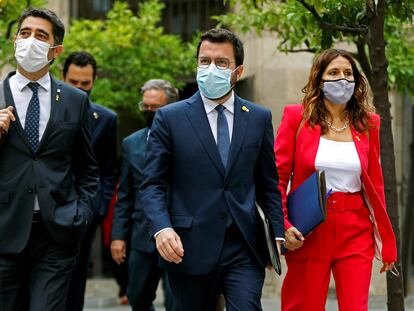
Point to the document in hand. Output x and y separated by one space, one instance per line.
274 259
307 204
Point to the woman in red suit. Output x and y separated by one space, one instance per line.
334 130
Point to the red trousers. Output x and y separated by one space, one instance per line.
343 244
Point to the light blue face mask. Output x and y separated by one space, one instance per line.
214 83
338 91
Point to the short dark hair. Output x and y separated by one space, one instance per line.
57 25
81 59
220 35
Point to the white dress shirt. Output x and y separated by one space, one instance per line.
21 96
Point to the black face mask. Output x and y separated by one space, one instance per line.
86 91
149 117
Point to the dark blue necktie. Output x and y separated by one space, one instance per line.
223 136
223 145
31 126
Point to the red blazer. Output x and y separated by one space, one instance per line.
301 162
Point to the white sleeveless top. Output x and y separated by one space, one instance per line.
341 164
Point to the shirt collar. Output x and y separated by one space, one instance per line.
210 104
22 81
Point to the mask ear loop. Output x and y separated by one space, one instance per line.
53 58
234 84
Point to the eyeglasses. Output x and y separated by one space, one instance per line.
145 107
220 62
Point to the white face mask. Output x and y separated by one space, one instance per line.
31 54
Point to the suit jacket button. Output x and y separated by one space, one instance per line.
223 215
30 190
35 158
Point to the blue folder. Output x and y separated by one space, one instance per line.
306 205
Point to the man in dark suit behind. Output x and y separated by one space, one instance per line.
79 70
130 227
48 174
209 158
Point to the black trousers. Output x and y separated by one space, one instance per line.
37 279
76 291
144 276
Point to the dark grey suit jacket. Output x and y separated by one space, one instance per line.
130 223
62 172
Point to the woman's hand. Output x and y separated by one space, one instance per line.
387 266
293 239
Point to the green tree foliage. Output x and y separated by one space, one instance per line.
10 11
129 49
313 25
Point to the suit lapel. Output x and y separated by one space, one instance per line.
141 149
10 102
197 115
361 142
55 102
307 144
93 118
240 122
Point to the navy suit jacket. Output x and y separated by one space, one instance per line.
103 126
128 214
62 172
186 186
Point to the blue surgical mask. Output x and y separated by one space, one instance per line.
338 91
214 83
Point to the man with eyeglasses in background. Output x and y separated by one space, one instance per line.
209 158
130 229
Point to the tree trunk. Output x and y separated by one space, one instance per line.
379 86
407 228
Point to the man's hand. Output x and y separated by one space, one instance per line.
169 246
294 239
5 116
118 251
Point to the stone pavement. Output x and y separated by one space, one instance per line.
101 295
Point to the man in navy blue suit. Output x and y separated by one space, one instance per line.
130 228
48 173
209 159
79 71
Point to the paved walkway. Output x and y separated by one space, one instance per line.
101 296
